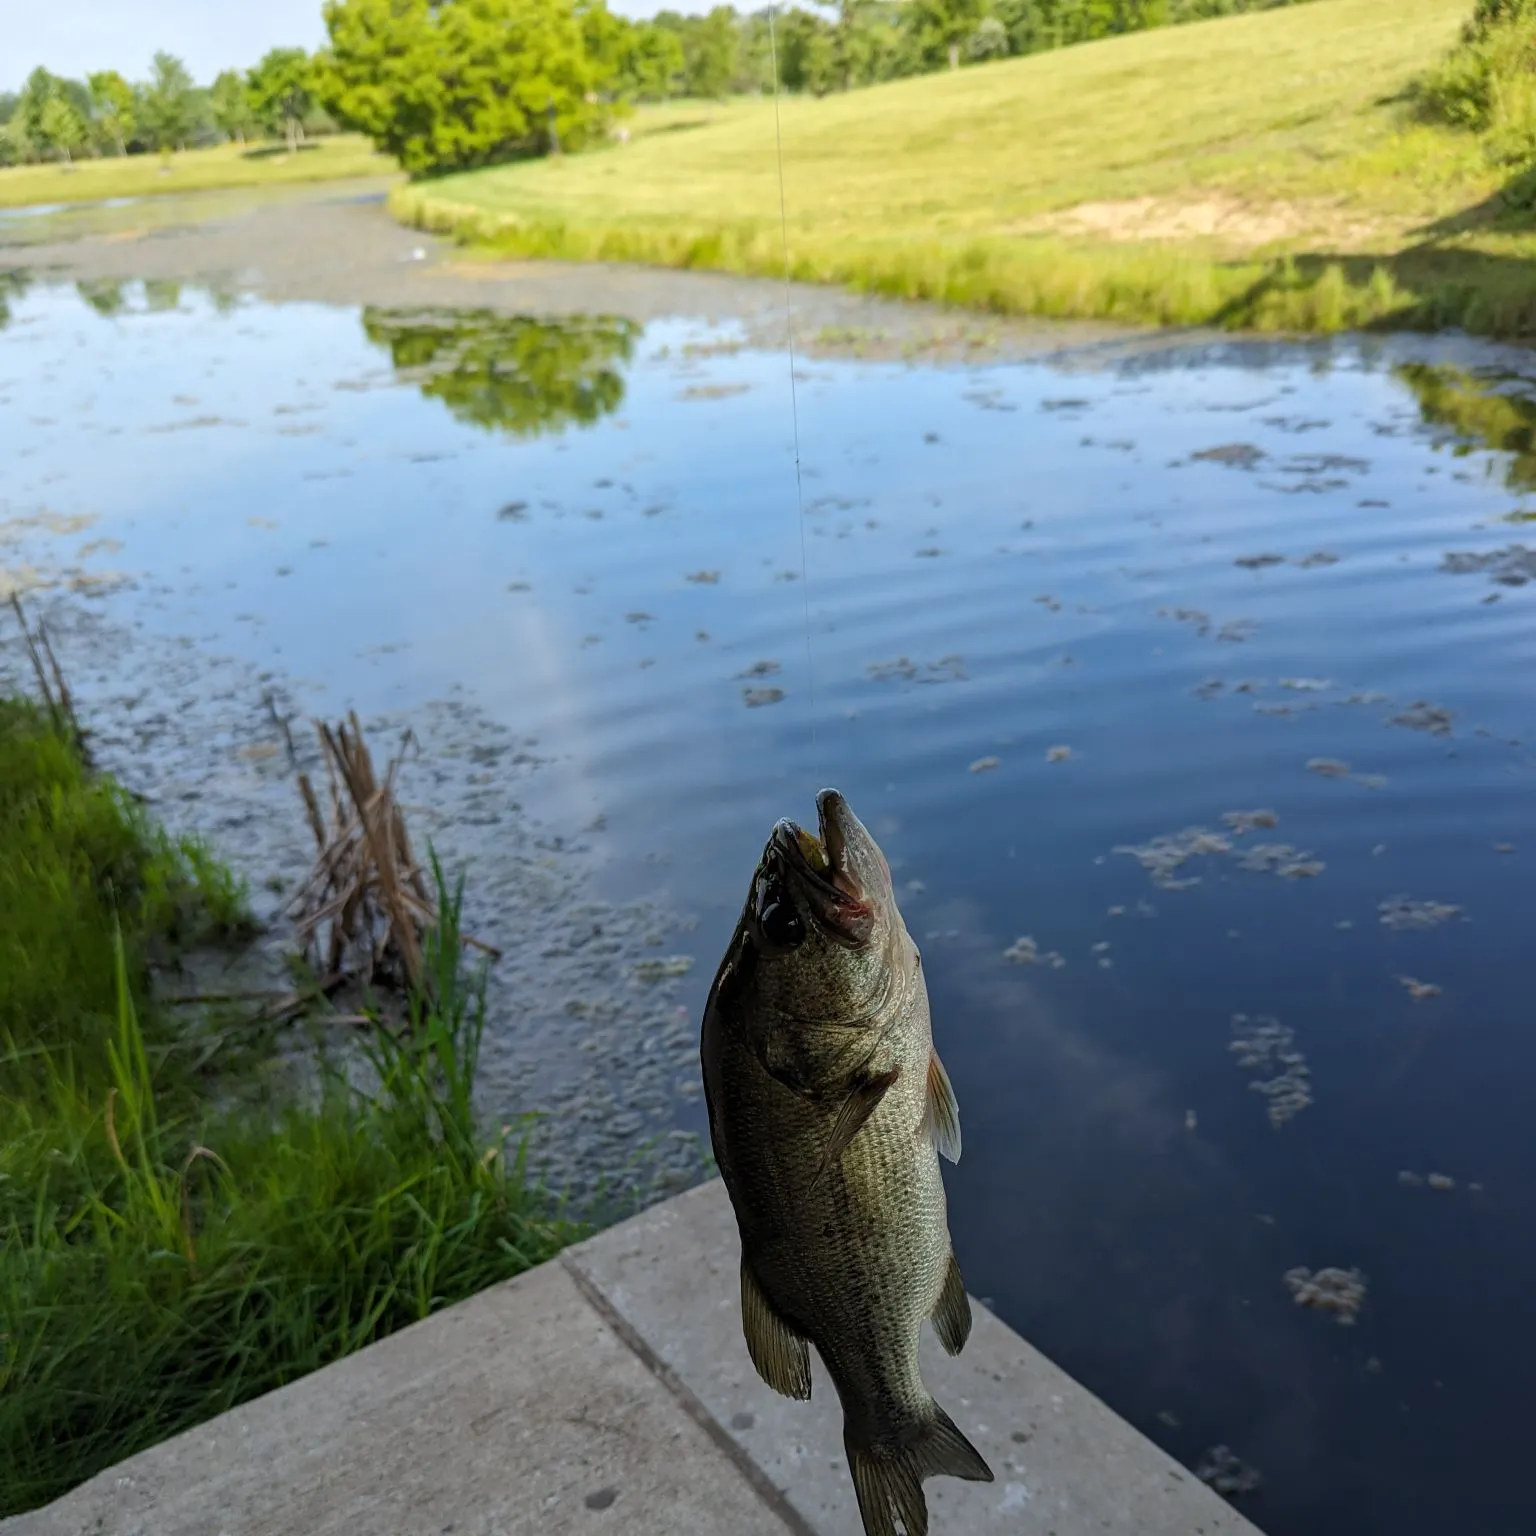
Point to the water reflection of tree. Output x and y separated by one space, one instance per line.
510 373
110 297
161 293
1492 410
106 295
13 285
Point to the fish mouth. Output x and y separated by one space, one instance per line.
820 869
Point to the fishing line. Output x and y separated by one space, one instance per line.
794 404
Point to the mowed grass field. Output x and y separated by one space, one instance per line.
1262 170
192 170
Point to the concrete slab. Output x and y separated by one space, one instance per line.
610 1390
518 1412
1065 1464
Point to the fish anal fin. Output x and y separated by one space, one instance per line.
779 1353
862 1101
952 1312
888 1477
941 1116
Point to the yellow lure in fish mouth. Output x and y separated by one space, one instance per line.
815 854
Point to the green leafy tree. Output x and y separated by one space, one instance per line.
229 105
61 128
605 37
1487 83
712 60
881 45
40 89
167 106
713 51
849 43
654 66
988 41
948 23
808 54
280 92
464 82
754 56
508 373
112 108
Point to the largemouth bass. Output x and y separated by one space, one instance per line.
828 1108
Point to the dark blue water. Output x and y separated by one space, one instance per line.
593 533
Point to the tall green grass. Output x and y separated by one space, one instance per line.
1134 284
76 853
164 1259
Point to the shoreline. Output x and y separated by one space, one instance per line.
193 735
338 245
1146 287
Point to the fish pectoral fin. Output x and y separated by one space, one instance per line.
779 1353
952 1312
862 1101
941 1118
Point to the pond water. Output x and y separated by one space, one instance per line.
1187 688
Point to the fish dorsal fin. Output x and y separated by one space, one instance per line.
778 1352
941 1116
862 1101
952 1312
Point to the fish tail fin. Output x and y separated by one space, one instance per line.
888 1473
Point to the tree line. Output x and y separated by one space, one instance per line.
450 84
55 118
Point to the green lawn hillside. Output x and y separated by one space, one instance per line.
193 170
1263 170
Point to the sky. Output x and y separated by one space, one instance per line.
74 37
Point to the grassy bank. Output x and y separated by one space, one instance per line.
1255 171
193 170
167 1256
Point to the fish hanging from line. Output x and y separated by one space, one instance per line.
828 1108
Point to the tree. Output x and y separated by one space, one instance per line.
40 89
167 106
280 93
229 105
462 82
988 41
949 23
61 128
808 58
653 66
876 41
640 61
711 61
112 108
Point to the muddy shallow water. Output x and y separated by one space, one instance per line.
1185 682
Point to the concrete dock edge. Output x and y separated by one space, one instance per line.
610 1390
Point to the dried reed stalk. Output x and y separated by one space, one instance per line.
57 699
365 907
